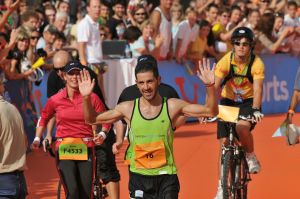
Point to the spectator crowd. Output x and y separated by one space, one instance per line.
33 31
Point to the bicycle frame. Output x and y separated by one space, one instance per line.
234 168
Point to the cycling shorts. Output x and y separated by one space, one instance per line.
245 109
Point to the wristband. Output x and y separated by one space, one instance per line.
102 134
37 139
209 85
290 111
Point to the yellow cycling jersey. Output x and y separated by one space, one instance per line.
239 88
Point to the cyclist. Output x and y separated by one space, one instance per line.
295 98
152 119
240 74
75 139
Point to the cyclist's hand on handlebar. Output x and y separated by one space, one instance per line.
255 116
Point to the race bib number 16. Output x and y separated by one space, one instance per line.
150 155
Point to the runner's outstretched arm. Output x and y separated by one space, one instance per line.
86 86
210 108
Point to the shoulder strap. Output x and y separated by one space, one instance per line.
249 75
231 73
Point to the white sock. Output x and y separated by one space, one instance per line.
248 155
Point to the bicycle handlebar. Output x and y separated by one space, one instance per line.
242 117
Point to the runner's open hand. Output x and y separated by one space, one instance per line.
85 83
205 73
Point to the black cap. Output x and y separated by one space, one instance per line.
146 59
73 65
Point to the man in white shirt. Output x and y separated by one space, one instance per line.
88 35
89 41
186 34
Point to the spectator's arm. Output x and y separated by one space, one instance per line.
11 44
201 9
278 6
9 11
82 55
11 73
226 36
155 20
275 46
177 49
170 53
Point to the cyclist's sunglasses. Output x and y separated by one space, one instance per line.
237 43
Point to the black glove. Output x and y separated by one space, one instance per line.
254 116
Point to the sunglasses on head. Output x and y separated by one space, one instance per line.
59 69
237 43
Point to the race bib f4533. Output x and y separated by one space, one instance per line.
72 149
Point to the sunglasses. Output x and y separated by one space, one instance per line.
33 37
59 69
236 43
138 14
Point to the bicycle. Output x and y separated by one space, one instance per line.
99 191
235 174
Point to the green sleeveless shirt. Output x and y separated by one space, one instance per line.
150 151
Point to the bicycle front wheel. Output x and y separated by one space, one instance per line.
228 176
244 179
